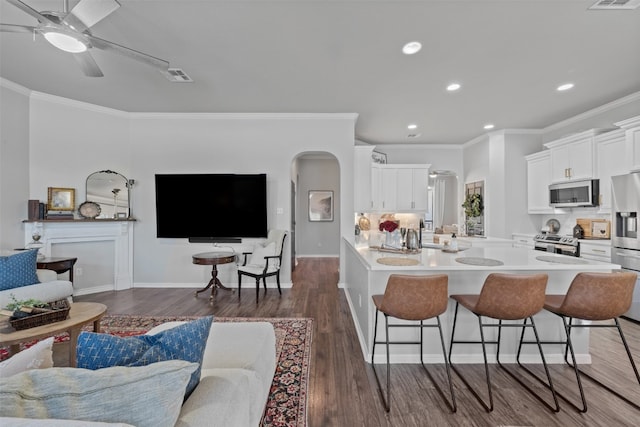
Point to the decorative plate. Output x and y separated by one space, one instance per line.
89 210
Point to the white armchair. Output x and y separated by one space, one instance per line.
264 262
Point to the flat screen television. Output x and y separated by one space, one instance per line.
211 207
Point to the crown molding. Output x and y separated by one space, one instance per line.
247 116
419 146
55 99
594 112
8 84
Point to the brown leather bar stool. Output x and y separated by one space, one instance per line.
412 298
594 297
504 297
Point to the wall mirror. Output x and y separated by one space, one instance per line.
111 191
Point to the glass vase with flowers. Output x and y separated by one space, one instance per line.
392 234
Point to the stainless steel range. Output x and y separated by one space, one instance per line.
554 243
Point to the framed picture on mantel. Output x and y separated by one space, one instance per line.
61 199
320 205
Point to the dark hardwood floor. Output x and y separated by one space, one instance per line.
342 389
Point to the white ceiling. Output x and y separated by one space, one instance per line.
322 56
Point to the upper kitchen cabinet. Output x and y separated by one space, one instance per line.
610 152
388 187
573 157
363 178
632 132
412 183
538 180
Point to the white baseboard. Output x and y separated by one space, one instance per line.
361 340
232 285
318 256
94 290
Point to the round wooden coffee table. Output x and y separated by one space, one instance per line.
81 313
213 259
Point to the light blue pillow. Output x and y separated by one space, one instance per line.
144 396
184 342
18 270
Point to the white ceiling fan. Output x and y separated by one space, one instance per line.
69 31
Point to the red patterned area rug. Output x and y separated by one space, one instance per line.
287 402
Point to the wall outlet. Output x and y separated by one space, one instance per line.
78 271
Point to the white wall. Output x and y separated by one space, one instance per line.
498 159
14 161
70 140
602 117
250 143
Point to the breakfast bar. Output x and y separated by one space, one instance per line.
367 272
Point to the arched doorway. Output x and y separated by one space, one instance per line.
315 206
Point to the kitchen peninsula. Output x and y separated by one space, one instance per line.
467 270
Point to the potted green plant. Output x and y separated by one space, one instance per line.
473 206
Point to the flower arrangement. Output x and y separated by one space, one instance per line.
389 226
473 205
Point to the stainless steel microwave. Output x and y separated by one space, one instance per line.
575 194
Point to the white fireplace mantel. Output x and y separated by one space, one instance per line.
120 232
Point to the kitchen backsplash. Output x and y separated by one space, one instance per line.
568 220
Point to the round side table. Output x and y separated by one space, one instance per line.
214 259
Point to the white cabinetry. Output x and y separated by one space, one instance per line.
362 179
402 188
388 187
572 157
523 240
596 250
538 180
632 130
388 194
412 183
610 151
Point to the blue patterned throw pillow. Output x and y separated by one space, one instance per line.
18 270
184 342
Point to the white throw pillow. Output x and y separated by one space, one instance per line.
257 257
143 396
38 356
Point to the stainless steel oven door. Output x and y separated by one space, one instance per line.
546 247
567 250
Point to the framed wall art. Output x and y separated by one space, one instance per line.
61 199
320 205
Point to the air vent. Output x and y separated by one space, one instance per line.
414 135
176 75
615 5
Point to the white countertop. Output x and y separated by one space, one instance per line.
512 259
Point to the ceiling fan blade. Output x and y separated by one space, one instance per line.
87 13
88 64
10 28
133 54
29 10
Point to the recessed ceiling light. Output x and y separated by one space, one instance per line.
453 87
489 126
565 86
412 126
411 48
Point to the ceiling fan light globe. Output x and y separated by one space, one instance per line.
65 42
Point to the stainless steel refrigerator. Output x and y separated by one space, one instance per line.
625 243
